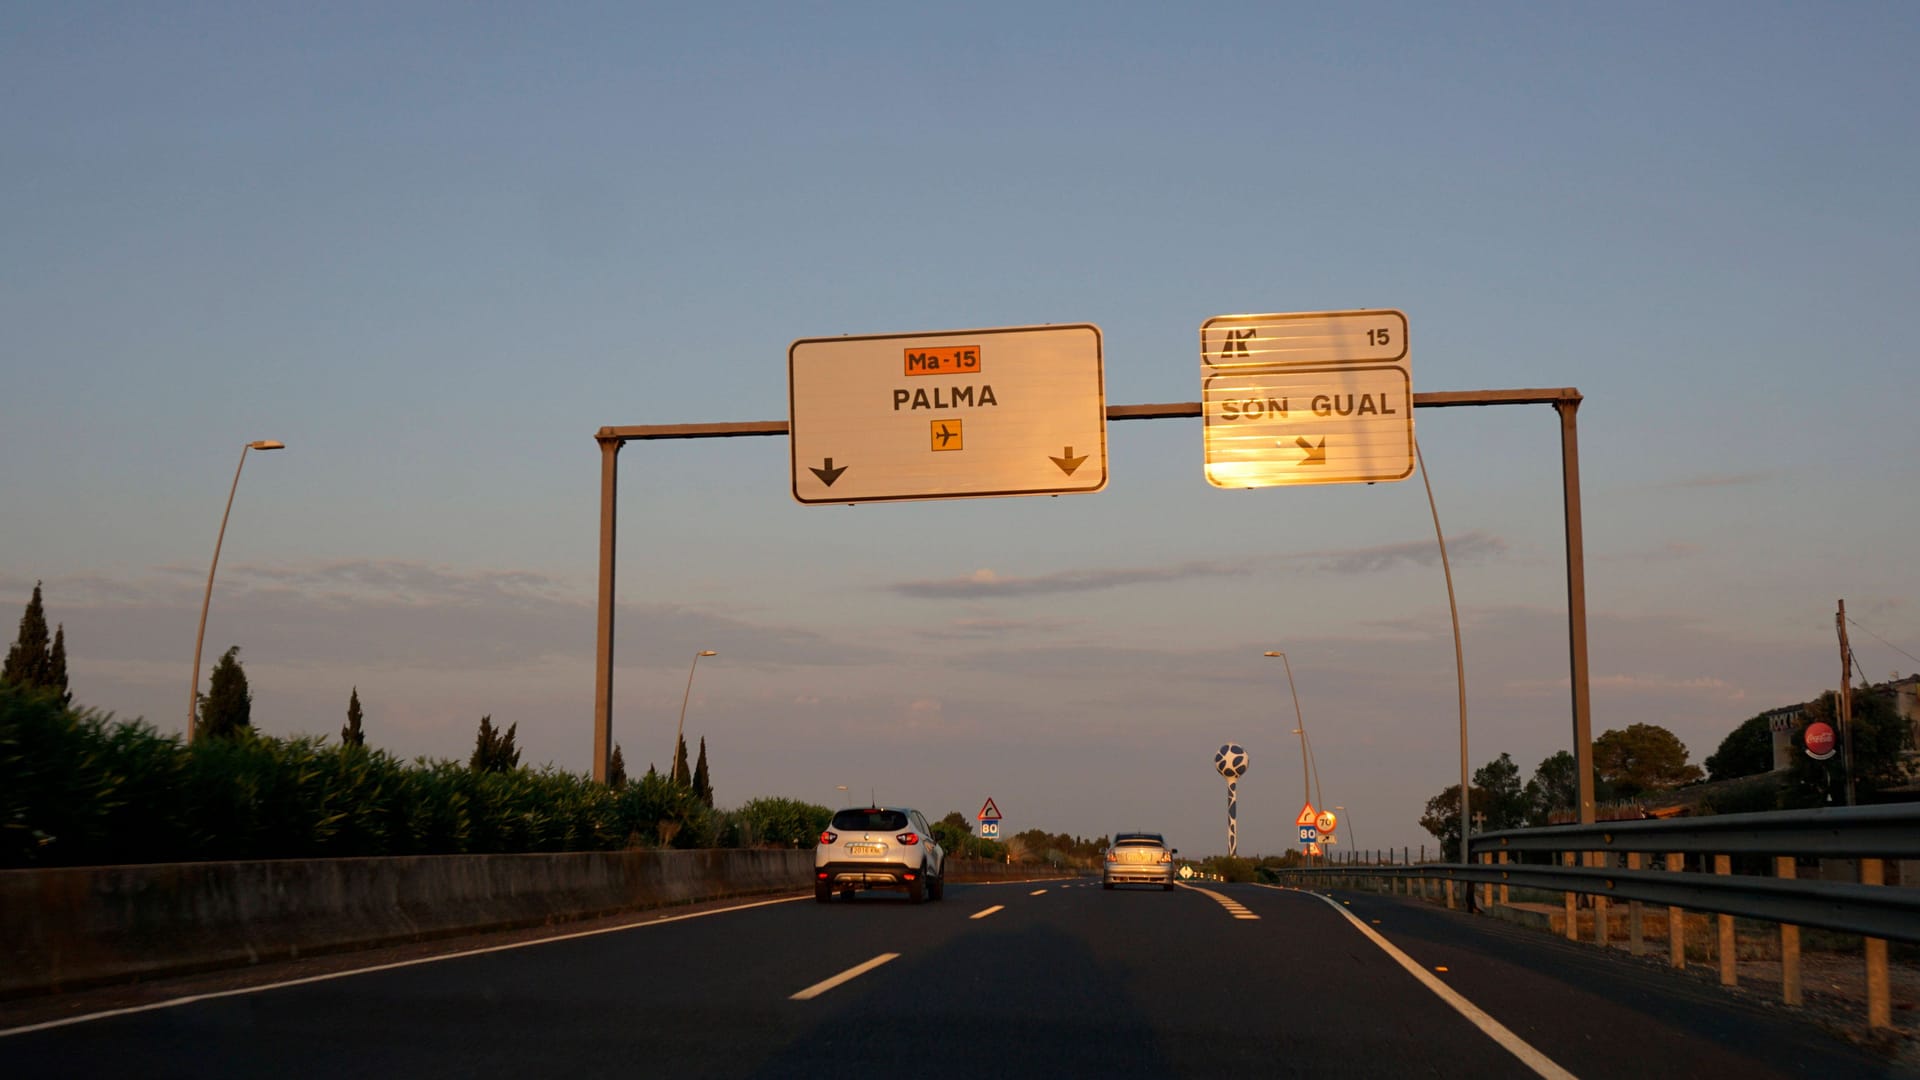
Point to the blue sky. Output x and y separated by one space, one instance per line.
433 248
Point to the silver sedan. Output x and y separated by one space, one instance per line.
1139 858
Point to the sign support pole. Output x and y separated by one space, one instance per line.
1576 607
603 622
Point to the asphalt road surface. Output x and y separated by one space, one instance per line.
1019 979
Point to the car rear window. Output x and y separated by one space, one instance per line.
870 820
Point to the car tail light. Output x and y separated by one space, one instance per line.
829 837
908 838
1113 855
909 877
1166 856
822 875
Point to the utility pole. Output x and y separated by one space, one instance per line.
1846 700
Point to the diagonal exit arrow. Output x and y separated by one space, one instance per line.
1316 455
1067 461
828 474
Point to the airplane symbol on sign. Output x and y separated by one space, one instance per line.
947 435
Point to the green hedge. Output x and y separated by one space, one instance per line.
78 788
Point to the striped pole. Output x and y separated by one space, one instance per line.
1233 816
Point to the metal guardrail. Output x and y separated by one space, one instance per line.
1871 834
1869 910
1878 832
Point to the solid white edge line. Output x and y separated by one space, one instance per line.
189 1000
854 972
1494 1029
988 911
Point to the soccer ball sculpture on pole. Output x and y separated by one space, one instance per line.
1231 760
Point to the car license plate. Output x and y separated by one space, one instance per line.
864 849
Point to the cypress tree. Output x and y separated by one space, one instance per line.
681 774
509 756
57 665
29 663
702 783
492 750
617 769
482 759
227 709
351 735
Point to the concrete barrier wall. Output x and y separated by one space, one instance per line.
64 928
67 928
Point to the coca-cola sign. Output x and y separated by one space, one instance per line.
1819 741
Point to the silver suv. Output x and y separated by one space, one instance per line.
879 847
1139 858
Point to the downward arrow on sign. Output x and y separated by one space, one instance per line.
829 474
1067 461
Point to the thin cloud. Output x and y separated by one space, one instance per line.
1671 551
1466 548
986 584
980 629
1716 689
1720 480
398 581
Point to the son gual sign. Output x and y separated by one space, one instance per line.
1320 397
948 414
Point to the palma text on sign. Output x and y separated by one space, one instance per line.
944 397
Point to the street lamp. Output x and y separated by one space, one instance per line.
1302 729
1352 844
673 762
193 687
842 789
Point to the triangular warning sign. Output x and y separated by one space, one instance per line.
989 811
1314 849
1307 815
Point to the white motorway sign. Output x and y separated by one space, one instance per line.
947 414
1310 398
1313 338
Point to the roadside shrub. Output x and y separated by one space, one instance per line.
79 788
778 822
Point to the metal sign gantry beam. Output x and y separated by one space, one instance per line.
1565 401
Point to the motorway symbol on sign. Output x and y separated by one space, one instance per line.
948 414
989 811
1315 398
1306 816
1305 338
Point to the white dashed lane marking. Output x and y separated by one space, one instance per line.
1234 907
988 911
854 972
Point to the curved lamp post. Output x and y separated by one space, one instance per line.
1302 729
193 688
673 761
